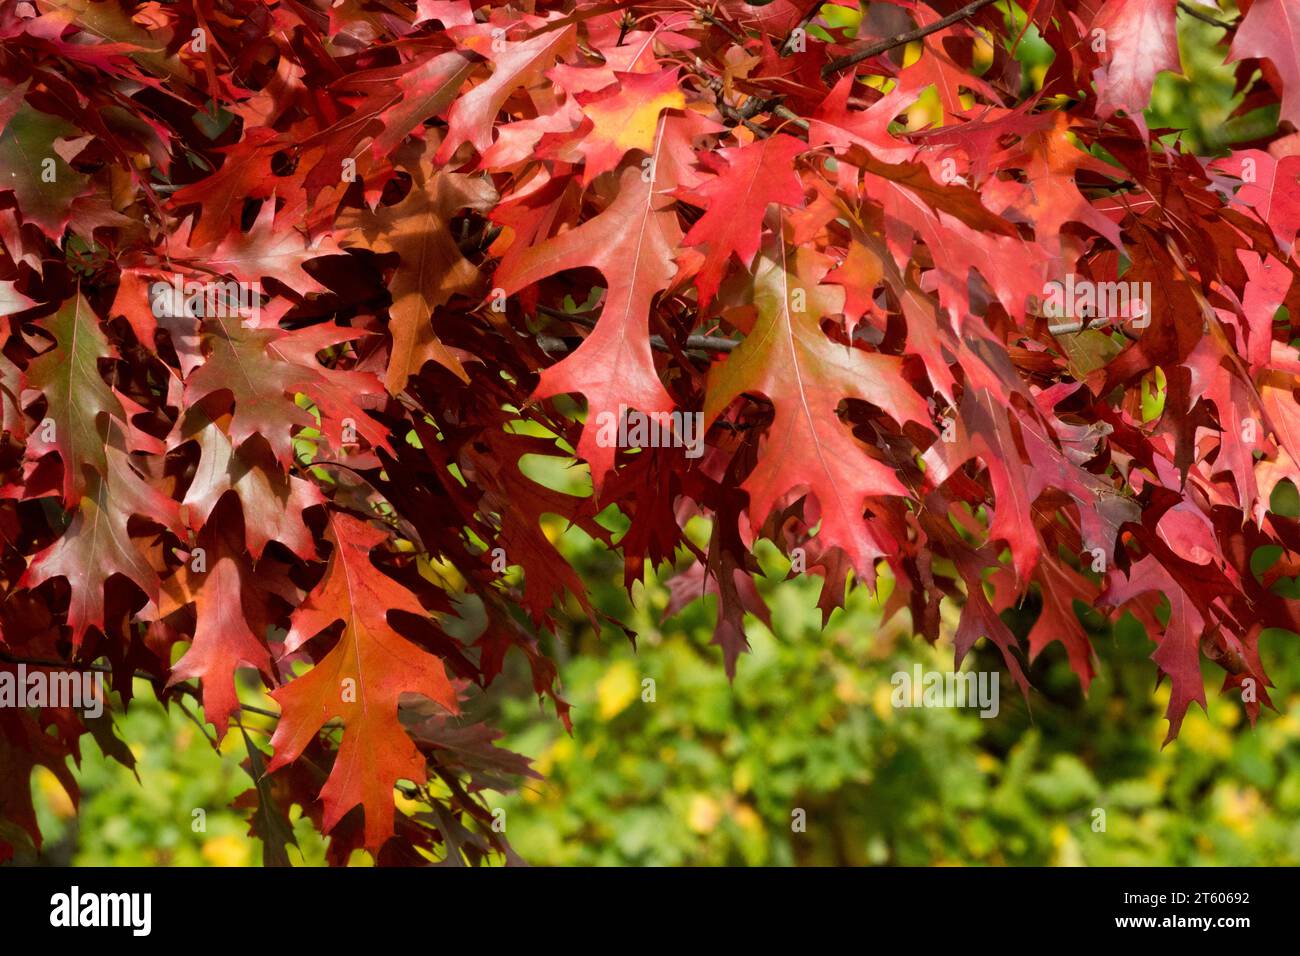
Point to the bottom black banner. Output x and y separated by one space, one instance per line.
328 906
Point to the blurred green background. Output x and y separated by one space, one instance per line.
710 772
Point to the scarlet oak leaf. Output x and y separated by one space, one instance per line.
518 142
135 304
927 337
273 502
12 420
787 358
424 89
1269 187
452 13
13 301
936 68
1236 403
142 303
472 117
626 118
397 98
736 201
859 274
231 613
985 430
245 174
1267 285
263 369
270 822
76 395
272 248
1178 653
980 619
840 126
358 683
1014 269
1053 198
729 575
1102 509
1141 39
635 55
109 21
521 503
24 745
1061 586
41 179
631 243
432 267
96 545
1284 417
1271 31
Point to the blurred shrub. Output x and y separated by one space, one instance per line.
710 774
148 818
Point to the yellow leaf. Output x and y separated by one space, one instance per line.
704 813
226 851
616 690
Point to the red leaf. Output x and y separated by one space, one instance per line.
1271 30
787 358
736 201
358 682
1141 39
631 243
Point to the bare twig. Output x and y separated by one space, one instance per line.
755 105
792 118
784 49
714 84
707 17
881 46
1204 17
703 343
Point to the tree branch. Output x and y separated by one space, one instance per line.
703 343
709 18
881 46
1204 17
784 49
728 111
